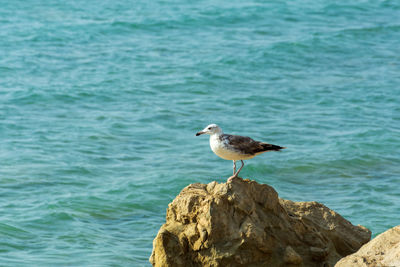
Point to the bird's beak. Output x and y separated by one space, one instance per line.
199 133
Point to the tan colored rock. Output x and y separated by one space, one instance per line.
382 251
243 223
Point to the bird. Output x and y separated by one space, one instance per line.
235 147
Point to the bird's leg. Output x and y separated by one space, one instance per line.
236 174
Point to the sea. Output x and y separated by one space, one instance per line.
100 102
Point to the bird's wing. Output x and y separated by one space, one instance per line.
247 145
244 144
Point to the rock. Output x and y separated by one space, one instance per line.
243 223
383 250
291 257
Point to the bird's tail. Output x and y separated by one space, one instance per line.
269 147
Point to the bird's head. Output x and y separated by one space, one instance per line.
210 129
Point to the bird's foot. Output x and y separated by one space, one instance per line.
230 179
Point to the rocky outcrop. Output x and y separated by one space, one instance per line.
383 250
243 223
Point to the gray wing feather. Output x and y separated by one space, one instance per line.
247 145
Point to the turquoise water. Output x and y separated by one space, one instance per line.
100 101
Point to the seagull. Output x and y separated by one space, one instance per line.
235 147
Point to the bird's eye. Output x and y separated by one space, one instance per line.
209 128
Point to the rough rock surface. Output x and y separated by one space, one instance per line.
243 223
383 250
